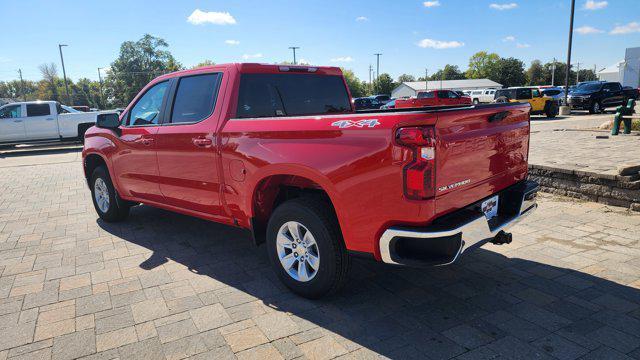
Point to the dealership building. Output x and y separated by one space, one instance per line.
626 72
411 88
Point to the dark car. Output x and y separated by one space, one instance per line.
595 96
557 93
391 104
383 99
366 103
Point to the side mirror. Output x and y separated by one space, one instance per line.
109 121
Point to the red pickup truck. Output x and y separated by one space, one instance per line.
279 151
434 98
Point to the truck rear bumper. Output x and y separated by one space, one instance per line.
442 242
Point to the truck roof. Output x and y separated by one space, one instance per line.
260 68
32 102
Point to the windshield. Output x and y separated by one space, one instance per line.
70 109
266 95
588 87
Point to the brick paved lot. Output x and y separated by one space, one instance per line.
167 286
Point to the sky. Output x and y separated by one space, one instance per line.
411 35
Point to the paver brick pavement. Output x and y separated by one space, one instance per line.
163 285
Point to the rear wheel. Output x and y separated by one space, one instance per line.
105 199
595 108
552 110
476 101
306 249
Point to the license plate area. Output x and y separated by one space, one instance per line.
489 207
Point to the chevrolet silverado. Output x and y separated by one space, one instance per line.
280 151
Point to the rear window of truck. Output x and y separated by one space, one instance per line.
273 95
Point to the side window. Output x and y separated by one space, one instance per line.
426 95
195 98
147 110
38 110
523 94
453 95
535 93
11 111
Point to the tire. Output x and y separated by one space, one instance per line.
113 209
314 216
476 102
595 108
552 111
82 128
502 99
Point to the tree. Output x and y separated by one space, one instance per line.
482 64
356 87
138 63
536 73
48 85
383 84
406 78
17 90
560 71
450 72
587 75
509 72
204 63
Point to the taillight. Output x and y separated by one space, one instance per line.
419 174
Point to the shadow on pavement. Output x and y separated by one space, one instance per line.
31 151
485 305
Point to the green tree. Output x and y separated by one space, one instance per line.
482 65
48 86
560 74
509 72
406 78
204 63
17 90
356 87
536 73
383 84
138 63
587 75
450 72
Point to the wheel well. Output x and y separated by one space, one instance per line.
275 190
91 162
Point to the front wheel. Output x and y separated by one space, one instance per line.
105 201
306 249
476 101
596 108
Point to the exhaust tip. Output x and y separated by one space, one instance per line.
502 238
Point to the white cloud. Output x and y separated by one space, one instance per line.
304 61
522 46
429 4
232 42
362 18
342 59
506 6
437 44
199 17
509 38
586 30
632 27
595 5
4 59
252 56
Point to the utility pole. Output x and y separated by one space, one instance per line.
568 70
24 96
294 48
100 79
377 64
426 79
577 73
370 71
553 73
64 73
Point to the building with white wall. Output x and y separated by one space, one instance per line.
626 72
411 88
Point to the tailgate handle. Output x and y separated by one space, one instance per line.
499 116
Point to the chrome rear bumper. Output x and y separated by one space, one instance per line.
442 242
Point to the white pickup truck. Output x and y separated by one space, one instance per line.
39 121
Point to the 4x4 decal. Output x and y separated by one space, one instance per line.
360 123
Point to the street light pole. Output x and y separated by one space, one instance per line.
577 73
101 92
568 70
553 73
64 73
377 64
24 96
294 53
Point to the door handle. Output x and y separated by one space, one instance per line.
202 142
144 141
17 121
49 119
499 116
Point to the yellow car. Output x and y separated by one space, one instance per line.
540 104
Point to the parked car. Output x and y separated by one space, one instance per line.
555 93
434 98
37 121
391 104
307 175
596 96
540 104
482 95
366 103
383 99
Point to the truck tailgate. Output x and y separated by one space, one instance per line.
479 152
